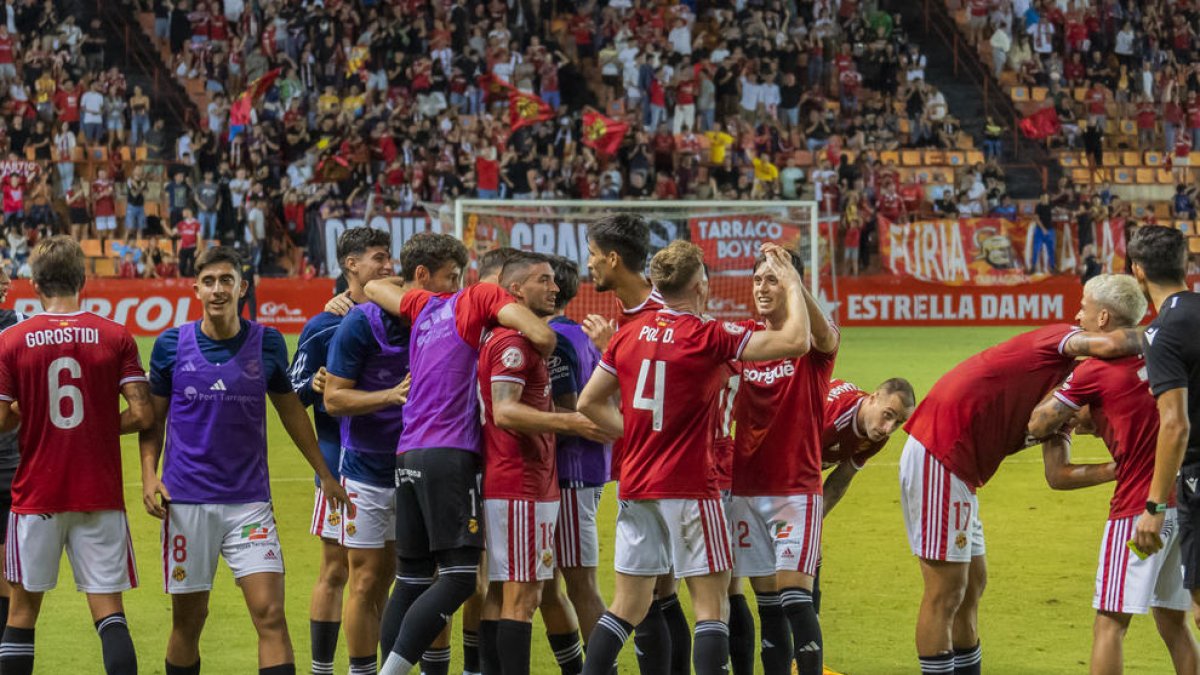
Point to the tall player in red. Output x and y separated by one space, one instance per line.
1116 396
64 368
520 479
776 506
668 368
972 419
618 247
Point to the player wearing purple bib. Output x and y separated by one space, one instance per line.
365 388
583 469
363 253
210 380
438 506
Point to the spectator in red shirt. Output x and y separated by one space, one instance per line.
128 267
104 206
66 104
14 198
188 233
167 268
8 54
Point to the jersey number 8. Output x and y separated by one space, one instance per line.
68 392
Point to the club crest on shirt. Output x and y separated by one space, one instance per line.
961 540
547 558
351 529
512 358
472 526
179 574
334 518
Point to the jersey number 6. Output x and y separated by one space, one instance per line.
68 392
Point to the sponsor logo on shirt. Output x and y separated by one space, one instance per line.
219 385
1150 333
255 532
270 555
733 328
769 376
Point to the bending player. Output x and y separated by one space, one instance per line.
972 419
1123 411
776 503
618 246
667 368
437 497
363 253
210 380
365 388
520 484
64 368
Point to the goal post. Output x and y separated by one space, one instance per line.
729 232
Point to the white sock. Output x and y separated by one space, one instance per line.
396 665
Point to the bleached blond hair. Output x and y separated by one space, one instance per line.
1120 295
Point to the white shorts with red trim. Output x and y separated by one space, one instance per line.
520 539
656 536
194 536
97 543
776 534
941 513
372 520
326 522
577 539
1126 584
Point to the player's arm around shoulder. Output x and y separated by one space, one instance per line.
520 318
509 361
598 400
1110 345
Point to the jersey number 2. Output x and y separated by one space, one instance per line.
655 402
65 395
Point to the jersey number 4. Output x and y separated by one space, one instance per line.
65 397
653 403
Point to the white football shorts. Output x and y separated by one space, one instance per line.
941 513
1126 584
577 539
520 539
776 534
372 521
656 536
194 536
97 543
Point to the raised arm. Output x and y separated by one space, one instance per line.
792 338
1061 474
825 337
598 402
387 293
520 318
1105 345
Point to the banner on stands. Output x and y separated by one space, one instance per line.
732 241
978 251
883 300
148 307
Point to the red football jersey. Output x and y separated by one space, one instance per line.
652 303
779 408
1126 417
723 447
65 371
670 368
841 438
516 465
477 309
976 415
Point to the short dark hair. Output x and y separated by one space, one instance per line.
58 268
519 261
217 255
902 388
493 261
566 277
1161 252
797 261
626 233
430 250
356 241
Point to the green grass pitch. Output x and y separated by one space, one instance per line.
1036 613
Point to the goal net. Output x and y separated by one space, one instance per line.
729 232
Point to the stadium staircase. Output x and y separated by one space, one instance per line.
972 93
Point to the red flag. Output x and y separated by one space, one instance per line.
525 109
602 133
1041 124
494 87
239 112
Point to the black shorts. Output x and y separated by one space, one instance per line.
6 480
438 502
1188 497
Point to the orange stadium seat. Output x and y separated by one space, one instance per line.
1164 176
1131 158
1152 158
935 157
1111 159
1193 244
1123 175
126 153
1020 94
1144 175
1184 226
1039 94
889 156
105 267
1128 128
1162 210
141 153
1079 93
910 157
91 248
974 157
954 158
1070 160
1083 176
